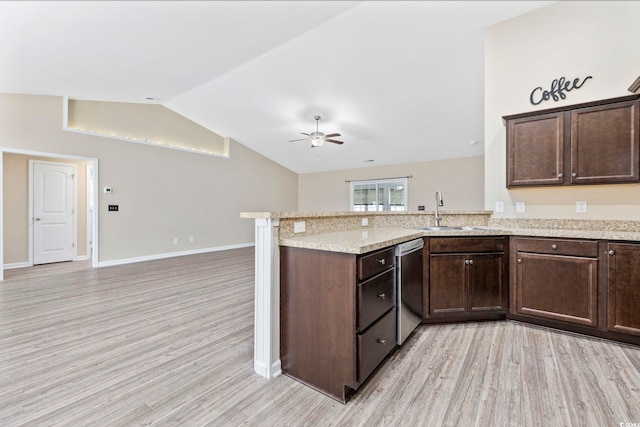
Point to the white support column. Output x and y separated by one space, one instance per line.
266 350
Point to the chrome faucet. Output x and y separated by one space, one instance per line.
439 204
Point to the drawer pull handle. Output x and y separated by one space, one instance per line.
381 341
381 295
554 247
519 260
382 261
612 252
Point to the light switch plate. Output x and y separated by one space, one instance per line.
365 222
520 207
581 206
499 207
299 227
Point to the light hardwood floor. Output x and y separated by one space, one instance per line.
170 343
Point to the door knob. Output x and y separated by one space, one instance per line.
37 218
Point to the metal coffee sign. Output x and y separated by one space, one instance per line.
557 91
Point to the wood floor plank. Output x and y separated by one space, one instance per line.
170 342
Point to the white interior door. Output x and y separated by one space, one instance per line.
53 212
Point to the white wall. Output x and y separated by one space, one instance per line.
162 193
460 180
566 39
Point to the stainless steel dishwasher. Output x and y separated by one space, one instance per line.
409 288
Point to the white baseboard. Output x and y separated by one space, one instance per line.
82 258
261 369
276 369
16 265
171 255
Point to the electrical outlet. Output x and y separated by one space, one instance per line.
499 207
113 208
299 227
107 190
365 222
520 207
581 206
192 239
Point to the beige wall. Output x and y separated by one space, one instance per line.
16 206
565 39
163 194
460 180
145 122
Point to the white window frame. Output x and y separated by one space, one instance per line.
404 181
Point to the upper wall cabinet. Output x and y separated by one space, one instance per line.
592 143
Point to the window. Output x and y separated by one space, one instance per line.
379 195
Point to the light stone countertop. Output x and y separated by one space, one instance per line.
371 239
300 215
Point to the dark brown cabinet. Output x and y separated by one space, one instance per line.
556 279
624 288
337 317
591 143
535 150
467 277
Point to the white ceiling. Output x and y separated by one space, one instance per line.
401 81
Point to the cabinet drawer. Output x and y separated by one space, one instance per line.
375 344
585 248
375 297
375 262
466 244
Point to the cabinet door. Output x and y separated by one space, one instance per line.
624 288
556 287
486 283
535 147
447 284
605 143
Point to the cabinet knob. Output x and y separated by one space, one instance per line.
466 262
554 247
382 261
381 341
519 261
612 252
381 295
574 174
560 175
470 262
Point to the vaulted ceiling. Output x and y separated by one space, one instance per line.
400 81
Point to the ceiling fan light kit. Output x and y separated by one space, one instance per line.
318 138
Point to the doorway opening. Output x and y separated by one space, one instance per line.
15 185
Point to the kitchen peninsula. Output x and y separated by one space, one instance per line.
593 252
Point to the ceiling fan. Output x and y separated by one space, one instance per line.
318 138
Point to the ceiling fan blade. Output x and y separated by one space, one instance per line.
331 135
302 133
303 139
334 141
